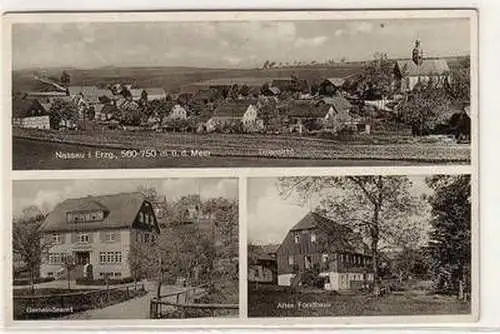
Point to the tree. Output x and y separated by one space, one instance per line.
379 208
450 239
30 244
69 263
425 108
65 111
459 87
65 78
130 113
375 80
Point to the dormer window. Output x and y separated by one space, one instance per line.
296 237
141 217
56 238
84 217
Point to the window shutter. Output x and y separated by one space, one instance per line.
118 236
91 237
63 238
74 237
102 236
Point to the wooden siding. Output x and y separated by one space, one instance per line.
338 261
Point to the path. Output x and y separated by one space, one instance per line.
135 308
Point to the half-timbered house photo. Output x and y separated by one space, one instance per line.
359 245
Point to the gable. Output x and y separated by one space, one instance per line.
121 211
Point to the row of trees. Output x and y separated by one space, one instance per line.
299 63
388 215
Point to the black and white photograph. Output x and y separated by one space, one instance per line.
390 90
125 249
360 245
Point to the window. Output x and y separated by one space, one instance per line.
297 237
146 237
290 260
110 257
141 217
313 236
118 274
83 237
341 258
109 236
102 257
56 258
324 258
56 238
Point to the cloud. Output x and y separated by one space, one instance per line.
340 32
310 42
362 27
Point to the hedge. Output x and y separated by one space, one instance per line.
85 281
26 281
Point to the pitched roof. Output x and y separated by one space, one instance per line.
408 68
122 209
27 108
155 91
344 239
338 102
90 93
336 81
306 110
233 109
259 253
270 249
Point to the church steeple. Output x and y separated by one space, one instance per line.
417 54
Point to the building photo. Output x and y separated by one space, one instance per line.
359 246
125 249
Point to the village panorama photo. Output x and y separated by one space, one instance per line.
125 249
360 246
242 91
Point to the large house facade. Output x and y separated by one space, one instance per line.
333 250
98 230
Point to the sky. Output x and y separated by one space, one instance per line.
225 44
45 194
270 217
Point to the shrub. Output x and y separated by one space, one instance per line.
85 281
26 281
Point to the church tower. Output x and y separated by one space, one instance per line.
417 54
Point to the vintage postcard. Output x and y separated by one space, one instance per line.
247 168
125 249
360 245
263 89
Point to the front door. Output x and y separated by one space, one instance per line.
82 258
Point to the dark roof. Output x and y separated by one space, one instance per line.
122 209
233 109
428 67
270 249
28 108
257 252
344 239
306 109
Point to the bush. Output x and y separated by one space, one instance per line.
26 281
85 281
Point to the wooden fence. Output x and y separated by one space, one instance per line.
181 305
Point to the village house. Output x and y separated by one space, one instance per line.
154 93
178 113
409 73
90 94
235 114
262 266
316 243
30 114
98 230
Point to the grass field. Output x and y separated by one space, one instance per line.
273 301
255 146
